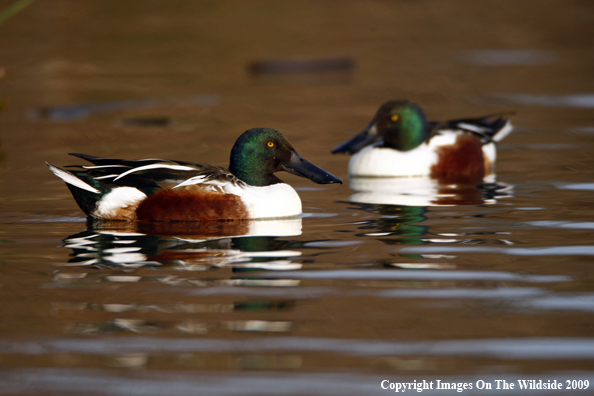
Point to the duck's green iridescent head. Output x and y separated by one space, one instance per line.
400 124
260 152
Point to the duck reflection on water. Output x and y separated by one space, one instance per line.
424 191
195 258
403 205
397 224
187 245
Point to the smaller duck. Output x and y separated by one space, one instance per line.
399 142
166 190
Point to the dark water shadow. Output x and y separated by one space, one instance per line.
79 111
2 154
302 71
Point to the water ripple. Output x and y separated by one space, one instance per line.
500 276
578 100
506 348
577 186
578 250
503 292
563 224
583 302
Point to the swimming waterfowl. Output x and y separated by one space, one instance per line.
399 142
166 190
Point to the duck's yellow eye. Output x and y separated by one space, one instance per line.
394 117
270 144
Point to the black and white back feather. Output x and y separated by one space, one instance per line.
492 128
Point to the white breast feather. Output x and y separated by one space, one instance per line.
490 152
277 200
386 162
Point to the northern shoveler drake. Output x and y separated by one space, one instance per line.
399 142
165 190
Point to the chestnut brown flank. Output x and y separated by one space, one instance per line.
461 162
191 203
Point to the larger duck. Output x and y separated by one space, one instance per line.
399 142
166 190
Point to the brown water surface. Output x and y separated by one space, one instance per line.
496 285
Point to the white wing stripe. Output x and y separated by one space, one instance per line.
71 179
154 166
227 186
103 166
105 177
471 127
192 180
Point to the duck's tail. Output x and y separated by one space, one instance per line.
505 129
81 187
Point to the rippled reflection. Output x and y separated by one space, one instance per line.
196 255
421 191
193 246
402 218
397 221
